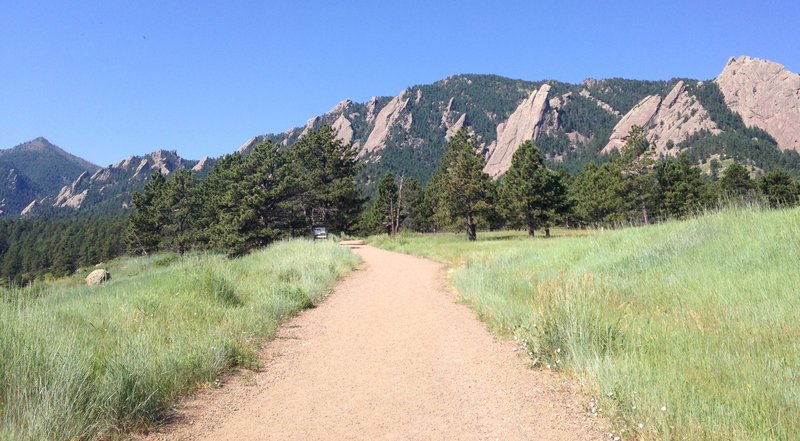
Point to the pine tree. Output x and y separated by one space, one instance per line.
681 188
217 204
636 163
144 233
260 203
181 210
388 203
735 181
413 205
460 189
594 194
532 194
328 169
779 188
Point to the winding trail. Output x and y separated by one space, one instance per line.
390 355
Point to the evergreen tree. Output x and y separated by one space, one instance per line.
532 194
260 202
181 211
735 181
217 204
413 205
144 233
460 189
681 188
636 163
779 188
595 195
327 173
389 203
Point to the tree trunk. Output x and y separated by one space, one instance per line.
530 223
644 205
399 207
471 234
547 232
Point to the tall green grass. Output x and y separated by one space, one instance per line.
690 329
82 362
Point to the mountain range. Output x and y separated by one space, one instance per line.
750 113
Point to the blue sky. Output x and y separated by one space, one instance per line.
108 79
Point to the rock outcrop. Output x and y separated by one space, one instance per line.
28 208
526 123
447 121
384 121
201 164
249 144
133 170
343 128
97 277
766 95
667 121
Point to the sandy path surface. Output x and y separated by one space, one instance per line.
389 355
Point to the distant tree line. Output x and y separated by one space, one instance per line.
32 249
250 200
634 187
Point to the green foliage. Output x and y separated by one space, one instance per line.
622 94
681 190
249 201
779 188
144 234
532 194
257 204
636 164
81 362
38 249
595 195
327 170
736 181
460 191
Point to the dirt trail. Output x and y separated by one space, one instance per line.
389 355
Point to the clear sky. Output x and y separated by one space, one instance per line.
108 79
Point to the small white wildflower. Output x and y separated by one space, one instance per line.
610 394
664 408
548 366
641 425
616 438
558 350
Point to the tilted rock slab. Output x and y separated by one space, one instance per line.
386 118
766 95
526 123
674 118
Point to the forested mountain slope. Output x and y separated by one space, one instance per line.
574 123
33 170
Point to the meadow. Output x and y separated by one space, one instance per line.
80 362
682 330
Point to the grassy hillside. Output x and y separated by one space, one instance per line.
686 330
80 362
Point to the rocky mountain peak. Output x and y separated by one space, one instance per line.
766 95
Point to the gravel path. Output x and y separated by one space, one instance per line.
389 355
